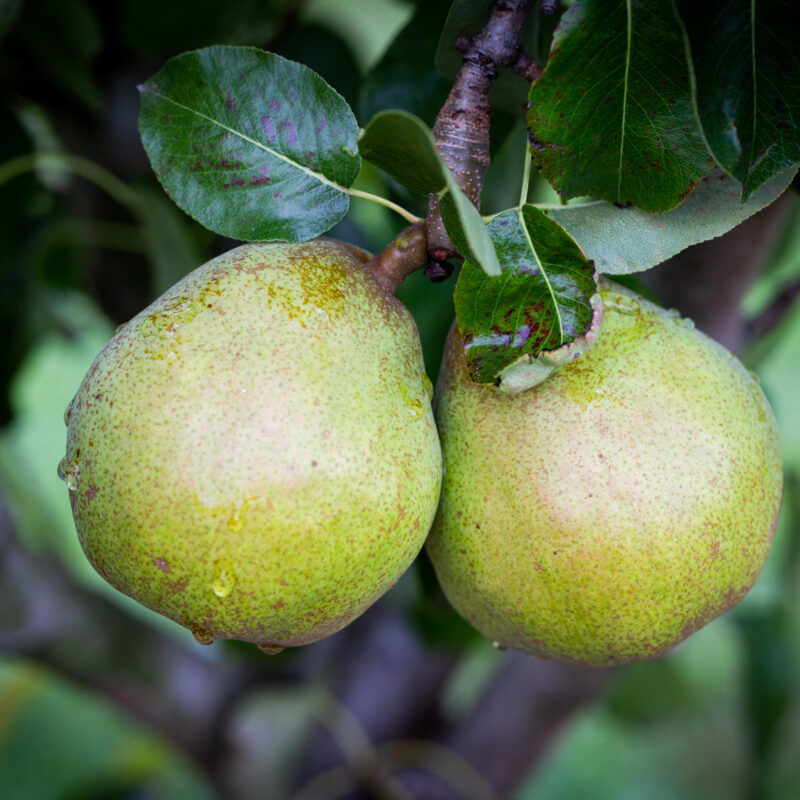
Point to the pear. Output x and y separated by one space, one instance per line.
254 455
609 512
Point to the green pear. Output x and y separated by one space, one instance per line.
609 512
254 455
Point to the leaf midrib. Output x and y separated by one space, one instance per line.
755 92
543 273
316 175
629 33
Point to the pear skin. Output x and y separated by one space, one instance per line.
609 512
254 455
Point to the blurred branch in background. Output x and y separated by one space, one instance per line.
708 282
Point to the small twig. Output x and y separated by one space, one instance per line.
403 212
526 67
462 126
76 165
406 254
437 760
773 314
362 768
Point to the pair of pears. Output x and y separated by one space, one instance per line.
255 456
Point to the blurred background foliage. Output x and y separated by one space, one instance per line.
101 699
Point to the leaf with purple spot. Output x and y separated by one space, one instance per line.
251 145
543 310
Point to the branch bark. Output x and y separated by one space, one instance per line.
773 314
461 130
404 255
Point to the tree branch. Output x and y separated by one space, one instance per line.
773 314
462 126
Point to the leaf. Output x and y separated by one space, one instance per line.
544 306
406 76
61 741
251 145
625 240
466 228
611 116
402 145
746 81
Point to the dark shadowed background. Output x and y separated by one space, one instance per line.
101 699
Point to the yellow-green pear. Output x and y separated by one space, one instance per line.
254 455
609 512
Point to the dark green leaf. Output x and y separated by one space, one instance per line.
611 116
543 304
406 76
403 145
746 68
251 145
625 240
466 228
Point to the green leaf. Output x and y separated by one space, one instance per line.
611 116
251 145
625 240
406 77
402 145
60 741
746 71
466 229
544 305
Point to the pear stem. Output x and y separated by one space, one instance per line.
407 253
